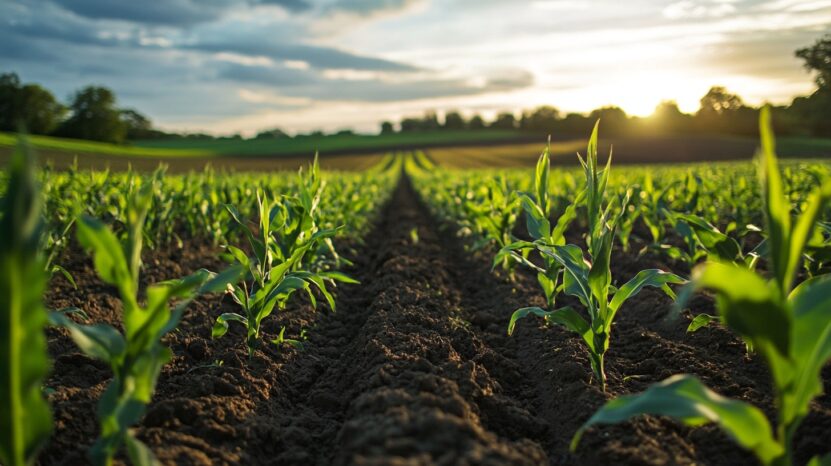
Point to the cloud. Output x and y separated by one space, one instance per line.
369 7
315 56
268 75
162 12
383 87
290 5
699 9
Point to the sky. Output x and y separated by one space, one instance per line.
226 66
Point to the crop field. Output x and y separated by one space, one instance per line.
410 312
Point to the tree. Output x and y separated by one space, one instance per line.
387 128
504 120
274 133
138 126
476 122
94 117
409 125
718 101
454 120
818 58
30 106
430 121
668 117
541 119
576 124
9 89
613 120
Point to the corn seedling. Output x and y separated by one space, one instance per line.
286 235
25 419
537 207
789 326
136 358
590 280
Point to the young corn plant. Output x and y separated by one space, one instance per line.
537 207
707 241
790 327
495 217
25 419
590 279
277 268
136 357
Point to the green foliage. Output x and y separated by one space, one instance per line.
789 326
288 248
137 357
588 279
537 208
25 420
94 117
27 106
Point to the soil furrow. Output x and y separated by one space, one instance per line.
418 391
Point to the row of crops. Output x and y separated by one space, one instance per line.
756 237
278 232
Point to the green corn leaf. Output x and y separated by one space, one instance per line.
218 282
320 283
805 226
220 327
811 344
577 271
523 313
777 207
700 321
558 233
536 221
570 319
685 398
541 181
645 278
509 250
239 256
565 316
548 286
138 452
108 256
68 276
339 277
25 419
747 304
600 273
820 461
717 244
99 341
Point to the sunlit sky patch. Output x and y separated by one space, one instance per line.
242 65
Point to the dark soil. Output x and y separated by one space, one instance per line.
415 367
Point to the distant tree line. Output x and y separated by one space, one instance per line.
720 111
90 114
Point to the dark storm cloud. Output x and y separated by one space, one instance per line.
291 5
28 33
161 12
189 12
315 56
